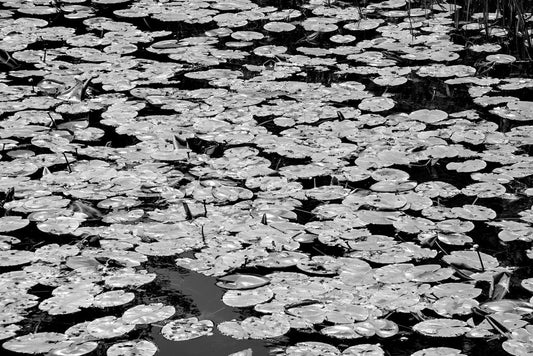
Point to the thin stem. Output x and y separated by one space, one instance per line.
54 123
68 163
479 256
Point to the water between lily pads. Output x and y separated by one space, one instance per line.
197 295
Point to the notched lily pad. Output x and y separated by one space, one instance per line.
442 327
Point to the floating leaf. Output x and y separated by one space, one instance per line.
376 104
342 331
187 329
454 305
67 303
108 327
75 349
507 306
247 298
520 342
36 343
148 313
438 351
474 212
242 281
442 327
15 257
364 349
132 348
471 260
112 299
8 331
12 223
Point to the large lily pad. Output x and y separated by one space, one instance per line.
36 343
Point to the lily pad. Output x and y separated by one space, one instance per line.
132 348
187 329
247 298
242 281
36 343
112 299
108 327
148 313
438 351
442 327
75 349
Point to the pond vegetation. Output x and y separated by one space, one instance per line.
237 177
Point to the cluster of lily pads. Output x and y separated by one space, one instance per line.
348 173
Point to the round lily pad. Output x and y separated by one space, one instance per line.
15 258
341 331
312 348
112 298
242 281
279 27
187 329
376 104
132 348
438 351
267 326
247 298
36 343
442 327
281 259
8 331
428 116
471 260
75 349
393 186
364 349
108 327
12 223
146 314
391 174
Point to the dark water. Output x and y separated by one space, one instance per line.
193 294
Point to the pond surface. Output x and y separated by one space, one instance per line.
236 177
